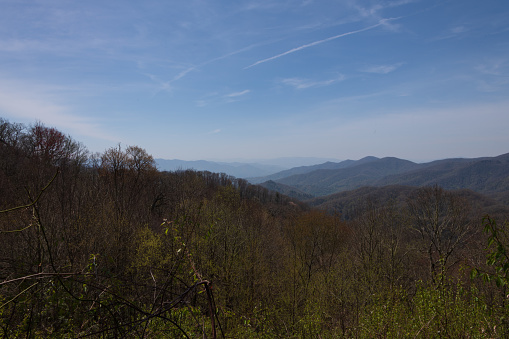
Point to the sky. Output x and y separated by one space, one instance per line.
223 80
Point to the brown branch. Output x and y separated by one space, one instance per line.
17 295
32 203
43 275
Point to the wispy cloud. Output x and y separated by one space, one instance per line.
299 83
167 85
30 103
494 66
382 69
201 103
318 42
190 69
221 98
259 5
459 29
452 32
218 130
306 3
162 85
237 94
373 10
493 74
18 45
184 73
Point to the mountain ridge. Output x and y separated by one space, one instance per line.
486 175
311 168
362 173
239 169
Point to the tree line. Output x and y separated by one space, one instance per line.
105 245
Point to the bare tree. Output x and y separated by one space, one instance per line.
441 219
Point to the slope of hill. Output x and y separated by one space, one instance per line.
289 191
487 175
324 182
307 169
348 203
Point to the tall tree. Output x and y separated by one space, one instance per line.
441 218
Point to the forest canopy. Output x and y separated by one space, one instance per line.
105 245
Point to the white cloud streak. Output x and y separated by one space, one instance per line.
382 69
299 83
218 98
162 85
237 94
296 49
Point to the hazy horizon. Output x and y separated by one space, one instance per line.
308 161
413 79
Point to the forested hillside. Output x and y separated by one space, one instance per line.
308 169
105 245
487 175
346 203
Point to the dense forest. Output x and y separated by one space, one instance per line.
105 245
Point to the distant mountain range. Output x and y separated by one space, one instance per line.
487 175
311 168
240 169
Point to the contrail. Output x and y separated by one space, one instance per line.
380 23
194 68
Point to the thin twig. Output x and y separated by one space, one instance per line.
42 275
33 202
20 293
425 325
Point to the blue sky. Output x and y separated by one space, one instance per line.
198 79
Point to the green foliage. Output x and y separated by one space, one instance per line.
452 312
257 325
497 256
150 252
